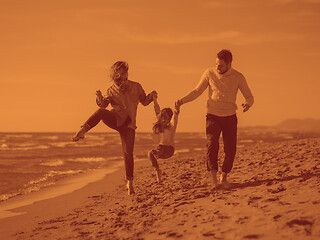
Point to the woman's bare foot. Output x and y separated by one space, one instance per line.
130 187
80 135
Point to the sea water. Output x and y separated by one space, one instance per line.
31 161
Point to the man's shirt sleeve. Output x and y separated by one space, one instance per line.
200 88
245 90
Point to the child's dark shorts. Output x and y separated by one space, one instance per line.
164 151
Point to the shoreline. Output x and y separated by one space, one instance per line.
274 194
63 186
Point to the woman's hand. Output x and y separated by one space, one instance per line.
154 95
99 94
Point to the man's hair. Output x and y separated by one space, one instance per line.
116 67
225 55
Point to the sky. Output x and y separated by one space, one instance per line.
55 54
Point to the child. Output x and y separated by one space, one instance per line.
164 130
124 96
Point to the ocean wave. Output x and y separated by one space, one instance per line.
18 136
53 163
48 179
87 159
115 158
60 144
182 151
37 184
85 144
37 147
246 141
4 145
93 137
54 137
52 174
199 149
4 197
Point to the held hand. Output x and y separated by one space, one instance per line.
245 106
177 105
154 95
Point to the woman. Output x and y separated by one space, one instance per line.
124 96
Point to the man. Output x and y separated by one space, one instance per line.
223 82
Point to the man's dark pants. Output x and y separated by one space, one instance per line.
214 126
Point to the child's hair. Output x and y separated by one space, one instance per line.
116 67
160 125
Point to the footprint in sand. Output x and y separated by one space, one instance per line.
281 188
276 217
300 224
252 236
242 220
253 199
209 234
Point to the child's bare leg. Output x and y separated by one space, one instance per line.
130 187
153 158
80 134
158 172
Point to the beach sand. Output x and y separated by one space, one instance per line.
274 193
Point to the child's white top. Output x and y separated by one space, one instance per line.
168 134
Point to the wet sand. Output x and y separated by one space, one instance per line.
274 193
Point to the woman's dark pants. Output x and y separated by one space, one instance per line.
127 136
214 126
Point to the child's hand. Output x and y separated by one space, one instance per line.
154 95
177 107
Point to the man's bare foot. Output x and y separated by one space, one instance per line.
215 183
223 180
130 187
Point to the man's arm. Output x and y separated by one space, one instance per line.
246 92
195 93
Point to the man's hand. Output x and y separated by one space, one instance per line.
177 107
245 106
178 103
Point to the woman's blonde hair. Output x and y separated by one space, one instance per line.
116 67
